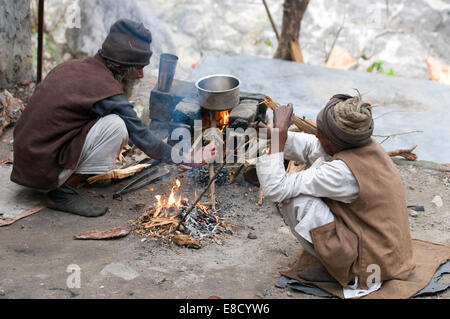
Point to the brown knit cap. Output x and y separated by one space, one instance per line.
128 43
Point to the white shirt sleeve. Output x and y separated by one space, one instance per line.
303 147
332 180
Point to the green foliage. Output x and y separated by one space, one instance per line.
377 67
49 44
266 41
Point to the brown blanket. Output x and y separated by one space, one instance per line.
427 257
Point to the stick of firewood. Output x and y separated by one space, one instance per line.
260 196
211 180
408 154
303 125
212 195
236 173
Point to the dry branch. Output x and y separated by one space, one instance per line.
260 196
235 173
406 153
118 173
104 234
302 124
185 240
211 180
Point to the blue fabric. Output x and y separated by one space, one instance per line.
433 286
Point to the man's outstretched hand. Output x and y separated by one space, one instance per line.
203 156
282 119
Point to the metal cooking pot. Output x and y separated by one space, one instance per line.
218 92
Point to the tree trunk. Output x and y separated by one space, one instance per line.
15 42
293 11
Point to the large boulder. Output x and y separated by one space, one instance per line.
96 18
400 34
15 42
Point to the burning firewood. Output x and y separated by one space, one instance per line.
211 181
162 221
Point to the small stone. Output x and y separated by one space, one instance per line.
411 188
437 200
251 236
413 213
2 292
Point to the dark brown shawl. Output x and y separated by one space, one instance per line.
50 134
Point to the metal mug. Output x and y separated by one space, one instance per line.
167 66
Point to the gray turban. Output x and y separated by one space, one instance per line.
346 121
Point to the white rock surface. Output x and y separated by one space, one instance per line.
398 33
437 200
120 270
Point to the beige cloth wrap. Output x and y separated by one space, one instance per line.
353 115
346 121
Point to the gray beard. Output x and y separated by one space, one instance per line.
128 85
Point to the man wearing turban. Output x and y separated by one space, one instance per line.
79 118
348 208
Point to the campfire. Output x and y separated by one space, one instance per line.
160 221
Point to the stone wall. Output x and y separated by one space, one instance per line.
15 42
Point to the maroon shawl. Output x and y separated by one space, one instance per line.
50 134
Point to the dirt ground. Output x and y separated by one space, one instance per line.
35 252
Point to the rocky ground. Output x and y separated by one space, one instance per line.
36 251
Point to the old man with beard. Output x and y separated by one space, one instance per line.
79 118
348 208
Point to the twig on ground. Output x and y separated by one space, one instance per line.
396 134
406 153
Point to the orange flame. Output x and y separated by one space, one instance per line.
172 201
222 118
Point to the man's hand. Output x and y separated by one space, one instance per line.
202 157
282 119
